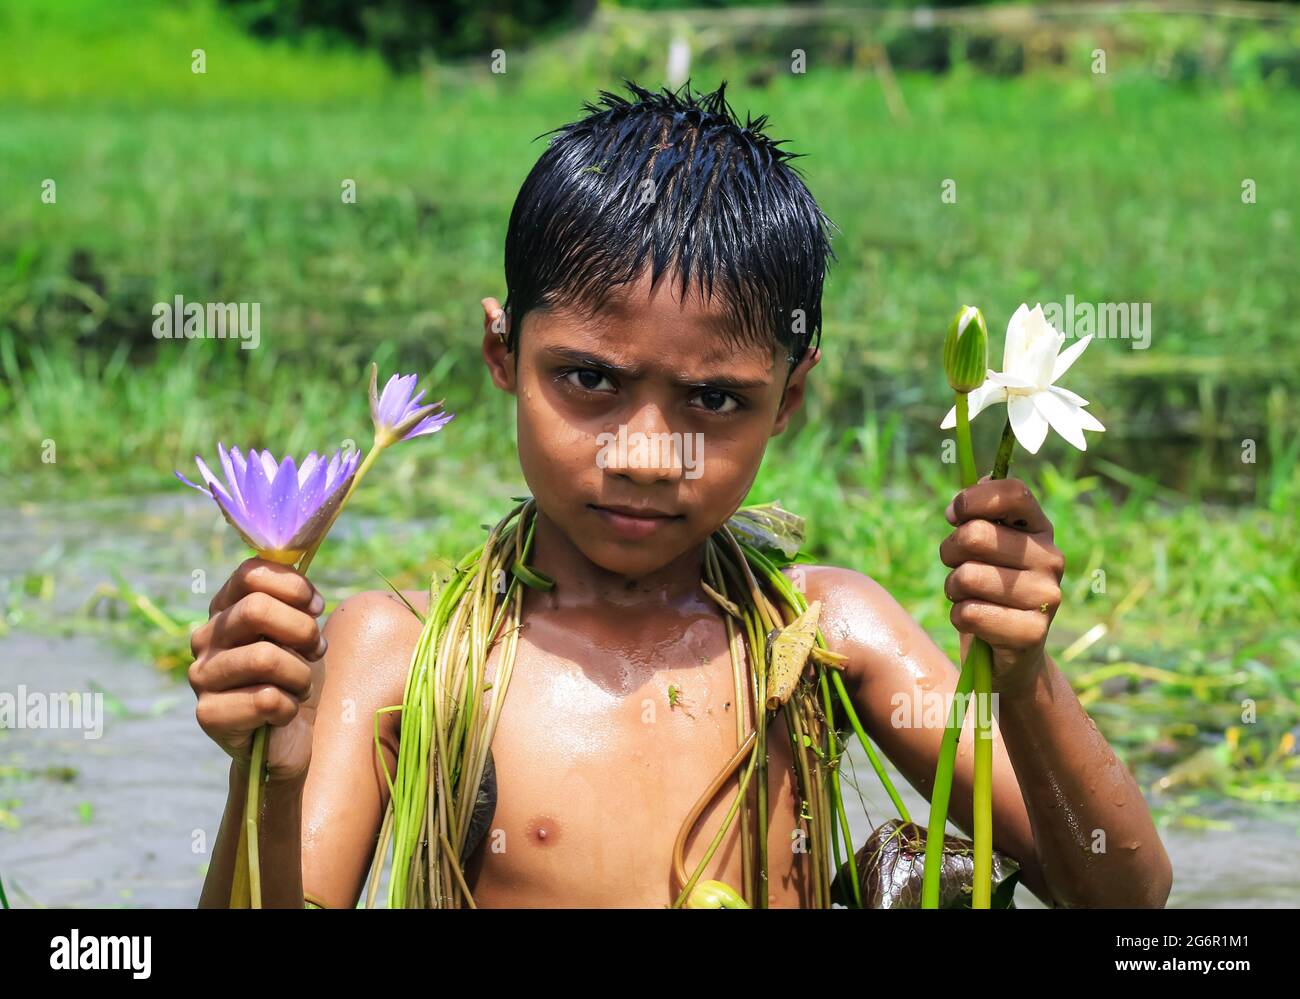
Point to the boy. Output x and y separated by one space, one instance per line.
664 266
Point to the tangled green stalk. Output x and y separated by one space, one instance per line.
448 724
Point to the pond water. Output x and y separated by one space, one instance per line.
126 819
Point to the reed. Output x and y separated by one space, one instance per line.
449 720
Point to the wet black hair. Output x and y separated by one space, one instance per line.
678 177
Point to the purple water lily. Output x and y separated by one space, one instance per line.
280 509
398 416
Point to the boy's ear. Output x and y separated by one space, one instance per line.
793 396
496 329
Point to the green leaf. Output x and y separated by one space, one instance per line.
776 533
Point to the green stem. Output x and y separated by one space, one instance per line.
977 676
256 765
982 893
942 789
834 752
251 806
965 454
727 820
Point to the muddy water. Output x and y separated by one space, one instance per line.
126 819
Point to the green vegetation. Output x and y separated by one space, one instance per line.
1183 578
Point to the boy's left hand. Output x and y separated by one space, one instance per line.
1006 575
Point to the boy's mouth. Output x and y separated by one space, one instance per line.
633 521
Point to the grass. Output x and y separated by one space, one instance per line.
1122 192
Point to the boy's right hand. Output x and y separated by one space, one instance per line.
257 661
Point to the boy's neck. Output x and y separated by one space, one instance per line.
580 583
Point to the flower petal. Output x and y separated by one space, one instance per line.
1061 415
983 397
311 492
232 480
978 400
1028 424
340 472
214 484
269 464
1044 344
1010 381
283 510
194 485
1064 360
429 425
256 522
1089 422
1068 396
1017 341
307 466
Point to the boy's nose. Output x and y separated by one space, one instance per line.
646 449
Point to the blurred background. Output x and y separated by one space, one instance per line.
350 168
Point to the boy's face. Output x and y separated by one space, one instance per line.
643 408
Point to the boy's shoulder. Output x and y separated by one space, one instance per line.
859 618
370 637
840 590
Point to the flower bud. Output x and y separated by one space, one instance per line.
715 895
966 350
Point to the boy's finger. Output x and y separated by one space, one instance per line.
245 709
259 616
1005 500
1001 627
995 544
996 584
258 575
259 663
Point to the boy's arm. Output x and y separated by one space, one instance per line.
371 637
260 659
1055 779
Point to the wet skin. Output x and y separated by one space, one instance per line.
596 768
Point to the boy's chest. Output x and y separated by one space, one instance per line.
601 751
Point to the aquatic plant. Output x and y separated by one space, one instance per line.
1032 362
279 509
780 665
284 512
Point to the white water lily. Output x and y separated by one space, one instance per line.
1031 363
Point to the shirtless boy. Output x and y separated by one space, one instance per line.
601 332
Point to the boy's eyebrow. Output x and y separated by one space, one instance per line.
631 371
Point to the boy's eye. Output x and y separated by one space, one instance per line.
718 401
585 378
594 380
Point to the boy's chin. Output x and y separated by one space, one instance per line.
633 565
630 557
